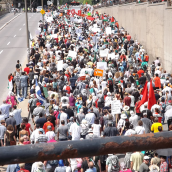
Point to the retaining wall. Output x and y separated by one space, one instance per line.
150 24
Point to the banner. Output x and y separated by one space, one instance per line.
98 72
115 107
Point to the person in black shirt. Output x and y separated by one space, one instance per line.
18 65
37 56
69 111
41 120
84 165
53 118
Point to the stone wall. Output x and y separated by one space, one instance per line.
150 24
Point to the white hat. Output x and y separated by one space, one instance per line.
125 108
123 116
32 95
40 165
11 113
146 157
132 113
109 94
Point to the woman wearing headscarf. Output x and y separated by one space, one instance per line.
11 99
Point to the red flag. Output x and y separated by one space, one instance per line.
102 17
112 20
145 96
152 99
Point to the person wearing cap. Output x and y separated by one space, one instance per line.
48 123
2 132
61 167
42 138
144 167
37 111
50 134
38 166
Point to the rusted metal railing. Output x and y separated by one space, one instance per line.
84 148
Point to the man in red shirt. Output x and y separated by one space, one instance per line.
48 123
127 100
122 57
140 72
128 37
22 167
146 57
27 69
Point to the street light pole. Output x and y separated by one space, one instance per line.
27 32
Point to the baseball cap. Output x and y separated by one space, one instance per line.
146 157
38 103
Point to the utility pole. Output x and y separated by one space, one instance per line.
42 14
27 32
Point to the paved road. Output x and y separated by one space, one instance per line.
13 45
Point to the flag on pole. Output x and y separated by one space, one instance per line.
112 20
144 98
38 94
152 99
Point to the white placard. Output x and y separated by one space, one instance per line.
96 29
72 54
108 30
102 65
54 36
112 56
95 25
115 107
60 65
103 53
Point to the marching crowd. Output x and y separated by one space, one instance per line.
69 100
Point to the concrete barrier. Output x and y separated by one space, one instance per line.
150 24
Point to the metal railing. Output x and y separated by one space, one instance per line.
84 148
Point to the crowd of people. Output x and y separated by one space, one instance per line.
68 100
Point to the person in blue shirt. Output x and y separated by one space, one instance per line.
121 67
78 104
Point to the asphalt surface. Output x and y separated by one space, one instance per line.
13 45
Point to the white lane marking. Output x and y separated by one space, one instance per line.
14 36
8 43
23 24
1 51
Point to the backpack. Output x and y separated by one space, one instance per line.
68 89
105 92
110 82
53 162
114 164
163 108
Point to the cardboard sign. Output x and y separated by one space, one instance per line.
115 107
60 65
98 72
72 54
108 30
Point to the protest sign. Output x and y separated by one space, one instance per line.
112 56
115 107
72 54
108 30
60 65
103 53
102 65
98 72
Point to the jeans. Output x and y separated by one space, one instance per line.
24 92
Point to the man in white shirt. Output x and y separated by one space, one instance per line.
90 116
18 118
75 130
35 134
63 116
134 119
103 84
4 108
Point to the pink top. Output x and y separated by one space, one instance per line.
12 98
51 141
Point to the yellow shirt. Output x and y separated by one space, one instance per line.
155 126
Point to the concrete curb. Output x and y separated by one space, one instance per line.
10 21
